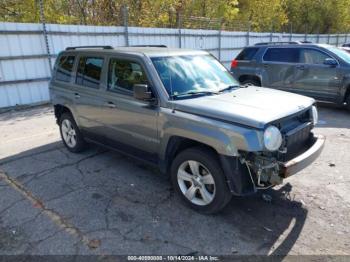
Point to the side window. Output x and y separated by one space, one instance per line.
64 68
124 74
287 55
311 56
247 54
89 71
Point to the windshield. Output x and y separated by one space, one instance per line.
341 53
192 74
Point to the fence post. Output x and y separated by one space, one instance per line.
346 38
337 40
271 34
179 28
42 19
291 32
125 23
329 36
305 36
219 40
248 34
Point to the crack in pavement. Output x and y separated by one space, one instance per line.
50 213
48 171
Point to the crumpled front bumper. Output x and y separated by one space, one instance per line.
298 163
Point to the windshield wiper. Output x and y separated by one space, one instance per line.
228 88
193 93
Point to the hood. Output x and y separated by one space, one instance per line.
249 106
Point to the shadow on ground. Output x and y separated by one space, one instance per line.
130 208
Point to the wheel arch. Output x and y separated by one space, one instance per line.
347 93
177 144
246 77
60 109
236 175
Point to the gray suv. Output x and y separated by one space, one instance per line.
183 112
316 70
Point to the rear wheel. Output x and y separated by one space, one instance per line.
199 180
70 134
250 82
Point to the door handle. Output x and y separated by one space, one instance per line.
76 95
266 65
301 67
111 105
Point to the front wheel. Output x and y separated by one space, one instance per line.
198 178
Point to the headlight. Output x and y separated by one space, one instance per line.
314 115
272 138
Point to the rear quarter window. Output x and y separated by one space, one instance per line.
247 54
64 68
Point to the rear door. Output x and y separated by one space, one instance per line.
87 93
278 67
314 78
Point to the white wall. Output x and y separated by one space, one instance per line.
24 66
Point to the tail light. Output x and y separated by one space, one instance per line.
234 63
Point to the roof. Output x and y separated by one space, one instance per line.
140 50
287 44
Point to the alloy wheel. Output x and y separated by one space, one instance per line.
196 182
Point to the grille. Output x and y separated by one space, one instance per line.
297 139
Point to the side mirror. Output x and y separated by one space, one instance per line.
141 92
330 61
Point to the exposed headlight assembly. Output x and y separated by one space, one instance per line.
272 138
314 115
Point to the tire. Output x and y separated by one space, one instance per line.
348 103
70 134
206 186
250 82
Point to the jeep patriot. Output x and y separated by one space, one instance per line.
183 111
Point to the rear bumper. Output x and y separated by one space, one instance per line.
298 163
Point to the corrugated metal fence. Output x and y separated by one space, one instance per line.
24 60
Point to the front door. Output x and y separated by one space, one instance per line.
130 124
315 79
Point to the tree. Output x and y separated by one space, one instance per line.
311 16
264 15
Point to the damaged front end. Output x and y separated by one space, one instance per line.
268 169
263 169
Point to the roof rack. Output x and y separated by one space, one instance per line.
149 46
283 43
89 46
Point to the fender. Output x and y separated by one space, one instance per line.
60 96
225 138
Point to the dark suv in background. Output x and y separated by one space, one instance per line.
316 70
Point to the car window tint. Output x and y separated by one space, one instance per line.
247 53
89 71
311 56
64 68
288 55
124 74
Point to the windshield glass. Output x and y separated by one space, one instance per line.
341 53
192 74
